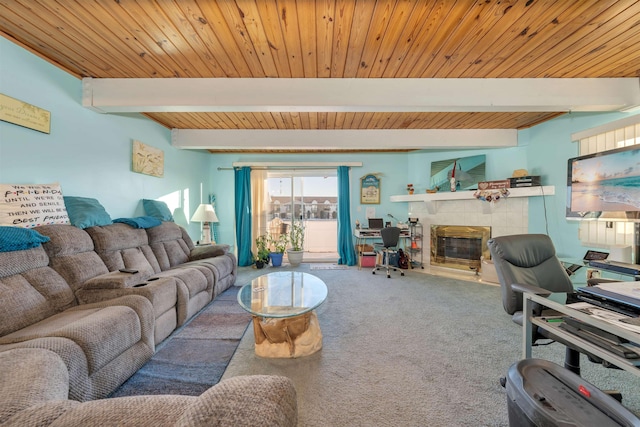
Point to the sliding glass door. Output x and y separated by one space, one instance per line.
310 196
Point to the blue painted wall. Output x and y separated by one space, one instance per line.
90 155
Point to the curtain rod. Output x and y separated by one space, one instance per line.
292 165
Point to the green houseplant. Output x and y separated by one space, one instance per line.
262 256
296 237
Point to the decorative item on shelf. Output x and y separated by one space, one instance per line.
296 252
410 188
452 180
432 190
205 214
491 196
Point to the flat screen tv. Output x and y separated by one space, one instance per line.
605 185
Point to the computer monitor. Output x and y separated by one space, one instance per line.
375 223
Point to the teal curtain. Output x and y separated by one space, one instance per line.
243 215
346 251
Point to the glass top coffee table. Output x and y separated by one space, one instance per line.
284 321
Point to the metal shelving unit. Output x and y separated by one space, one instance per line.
416 242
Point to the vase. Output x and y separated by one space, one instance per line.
276 259
295 257
411 191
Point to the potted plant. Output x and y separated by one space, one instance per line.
296 237
278 245
262 257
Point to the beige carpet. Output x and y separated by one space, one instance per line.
417 350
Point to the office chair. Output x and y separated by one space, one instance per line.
528 263
389 246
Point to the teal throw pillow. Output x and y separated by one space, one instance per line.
157 209
85 212
19 239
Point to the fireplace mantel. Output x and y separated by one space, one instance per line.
547 190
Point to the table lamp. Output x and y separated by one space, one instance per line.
205 214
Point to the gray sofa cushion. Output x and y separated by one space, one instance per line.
122 246
31 295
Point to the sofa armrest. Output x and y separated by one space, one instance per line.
249 400
114 280
522 288
28 377
160 291
207 251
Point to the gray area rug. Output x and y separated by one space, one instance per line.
194 357
418 350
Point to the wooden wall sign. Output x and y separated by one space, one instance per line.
147 159
22 114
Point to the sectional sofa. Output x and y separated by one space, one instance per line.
68 295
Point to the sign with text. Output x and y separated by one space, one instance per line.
22 114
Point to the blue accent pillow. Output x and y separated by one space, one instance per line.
85 212
140 221
157 209
19 239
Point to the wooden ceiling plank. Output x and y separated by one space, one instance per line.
53 38
525 36
190 18
620 50
482 18
339 122
390 38
165 24
221 41
521 23
582 45
443 21
272 27
325 13
264 48
547 35
411 33
289 26
307 33
234 16
564 32
377 29
113 30
343 22
361 20
171 17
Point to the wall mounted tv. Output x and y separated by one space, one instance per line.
605 185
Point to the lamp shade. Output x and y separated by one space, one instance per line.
205 213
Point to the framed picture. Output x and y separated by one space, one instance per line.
370 190
147 159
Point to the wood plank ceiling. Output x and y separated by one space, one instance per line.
333 39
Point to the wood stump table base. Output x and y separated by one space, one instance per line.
288 337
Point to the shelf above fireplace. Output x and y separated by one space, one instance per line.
547 190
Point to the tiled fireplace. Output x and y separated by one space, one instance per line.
505 217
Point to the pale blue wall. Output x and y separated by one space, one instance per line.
87 152
90 155
548 147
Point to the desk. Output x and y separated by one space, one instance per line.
579 343
364 234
